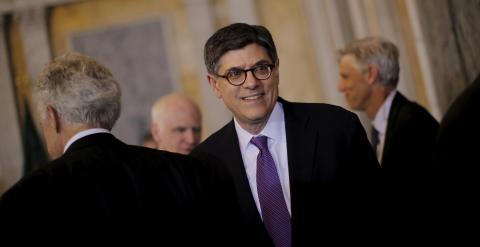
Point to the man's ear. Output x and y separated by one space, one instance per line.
54 118
154 131
372 74
213 85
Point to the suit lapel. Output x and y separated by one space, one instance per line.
398 101
301 146
231 156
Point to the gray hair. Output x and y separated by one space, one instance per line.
237 36
379 52
80 89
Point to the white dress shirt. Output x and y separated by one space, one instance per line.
277 144
82 134
380 123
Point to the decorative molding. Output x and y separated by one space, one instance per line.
7 6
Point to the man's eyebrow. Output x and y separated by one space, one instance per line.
260 62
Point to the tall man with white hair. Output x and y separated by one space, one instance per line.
98 181
403 133
369 74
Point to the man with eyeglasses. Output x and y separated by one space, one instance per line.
301 171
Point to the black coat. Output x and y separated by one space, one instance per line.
331 170
108 188
457 166
409 143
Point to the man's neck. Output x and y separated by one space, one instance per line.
70 131
379 95
254 128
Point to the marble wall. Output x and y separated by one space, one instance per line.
452 35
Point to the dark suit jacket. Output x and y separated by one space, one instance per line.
457 164
407 164
409 143
102 185
330 163
456 152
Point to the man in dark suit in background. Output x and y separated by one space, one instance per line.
403 131
457 135
97 185
457 165
301 171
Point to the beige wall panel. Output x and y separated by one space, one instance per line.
97 15
286 21
221 12
323 18
89 15
410 54
11 150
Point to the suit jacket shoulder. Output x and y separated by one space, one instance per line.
329 160
409 141
107 184
456 153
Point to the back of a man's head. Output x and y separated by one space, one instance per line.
81 90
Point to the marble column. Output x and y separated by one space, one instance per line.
11 151
34 34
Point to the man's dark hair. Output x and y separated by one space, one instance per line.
237 36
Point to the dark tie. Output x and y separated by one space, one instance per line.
274 209
375 139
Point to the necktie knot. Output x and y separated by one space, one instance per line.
260 142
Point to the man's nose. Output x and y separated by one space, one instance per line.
190 136
341 85
250 80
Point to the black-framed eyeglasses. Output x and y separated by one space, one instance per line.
237 77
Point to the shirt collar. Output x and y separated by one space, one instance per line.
82 134
381 118
272 129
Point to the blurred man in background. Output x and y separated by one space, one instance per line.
403 133
176 123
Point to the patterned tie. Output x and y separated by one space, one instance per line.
274 209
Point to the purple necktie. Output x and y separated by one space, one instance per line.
274 209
